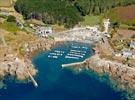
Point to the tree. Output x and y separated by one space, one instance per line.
11 18
49 11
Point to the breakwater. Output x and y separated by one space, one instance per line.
55 82
122 74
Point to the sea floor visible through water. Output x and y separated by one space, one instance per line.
57 83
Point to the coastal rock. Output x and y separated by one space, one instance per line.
16 68
123 74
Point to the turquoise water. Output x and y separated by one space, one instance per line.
56 83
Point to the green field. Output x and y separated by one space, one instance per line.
9 26
92 20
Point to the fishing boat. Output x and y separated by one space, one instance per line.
78 51
75 55
59 51
71 57
84 47
57 54
76 47
49 56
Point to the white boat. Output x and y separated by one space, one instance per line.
71 57
75 46
57 54
75 55
59 51
85 47
49 56
53 53
78 51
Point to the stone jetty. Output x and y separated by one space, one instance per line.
121 73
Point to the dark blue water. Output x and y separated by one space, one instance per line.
56 83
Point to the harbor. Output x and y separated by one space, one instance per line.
53 78
73 53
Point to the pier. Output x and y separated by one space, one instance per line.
72 64
33 80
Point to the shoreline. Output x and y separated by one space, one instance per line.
121 76
21 68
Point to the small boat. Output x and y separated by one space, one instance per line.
71 57
57 54
75 46
59 51
49 56
53 53
75 55
85 47
78 51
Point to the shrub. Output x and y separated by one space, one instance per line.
11 18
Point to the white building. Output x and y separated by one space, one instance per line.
43 31
128 53
118 54
106 23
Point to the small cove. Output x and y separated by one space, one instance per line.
56 83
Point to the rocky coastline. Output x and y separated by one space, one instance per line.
122 75
13 66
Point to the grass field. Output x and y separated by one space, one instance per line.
5 3
9 26
124 26
92 20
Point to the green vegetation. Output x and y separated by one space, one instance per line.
11 18
92 20
67 12
96 7
49 11
9 26
125 26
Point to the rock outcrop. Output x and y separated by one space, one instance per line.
124 74
12 65
38 45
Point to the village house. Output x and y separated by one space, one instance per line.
128 53
43 31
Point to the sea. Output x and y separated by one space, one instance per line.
57 83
